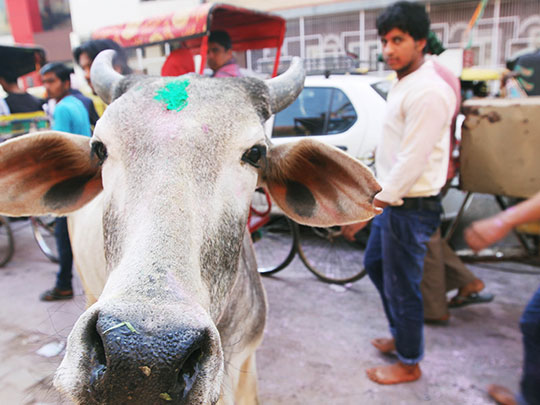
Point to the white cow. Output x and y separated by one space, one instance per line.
165 184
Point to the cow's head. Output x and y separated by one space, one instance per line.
177 161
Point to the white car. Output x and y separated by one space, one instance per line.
342 110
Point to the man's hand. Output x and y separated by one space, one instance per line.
380 203
348 231
482 233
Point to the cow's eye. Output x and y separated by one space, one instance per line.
254 155
99 149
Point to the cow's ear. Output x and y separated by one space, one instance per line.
319 185
47 172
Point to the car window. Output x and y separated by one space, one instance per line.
306 116
342 113
309 114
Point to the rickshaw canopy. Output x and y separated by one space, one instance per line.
19 60
248 29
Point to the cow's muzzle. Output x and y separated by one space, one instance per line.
140 361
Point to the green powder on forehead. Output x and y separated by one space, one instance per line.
174 95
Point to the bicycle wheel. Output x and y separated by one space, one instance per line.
275 244
6 241
329 256
43 229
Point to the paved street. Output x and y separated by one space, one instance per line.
316 345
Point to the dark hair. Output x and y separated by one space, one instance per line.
95 46
222 38
59 69
408 17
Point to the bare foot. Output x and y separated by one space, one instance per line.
394 373
384 345
501 395
473 287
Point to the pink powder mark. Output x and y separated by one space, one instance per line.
205 128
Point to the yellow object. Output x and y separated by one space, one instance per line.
532 228
21 123
476 74
99 104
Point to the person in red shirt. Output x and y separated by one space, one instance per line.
178 63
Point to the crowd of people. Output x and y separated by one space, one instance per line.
409 263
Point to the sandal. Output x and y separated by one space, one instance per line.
56 294
473 298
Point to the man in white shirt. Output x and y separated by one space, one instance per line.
411 163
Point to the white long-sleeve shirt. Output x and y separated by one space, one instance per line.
412 157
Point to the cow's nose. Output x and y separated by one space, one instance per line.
129 362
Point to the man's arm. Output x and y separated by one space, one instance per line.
483 233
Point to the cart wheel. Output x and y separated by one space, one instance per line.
329 256
43 229
7 245
275 244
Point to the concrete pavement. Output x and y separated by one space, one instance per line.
316 345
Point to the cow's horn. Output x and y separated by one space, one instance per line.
104 77
285 88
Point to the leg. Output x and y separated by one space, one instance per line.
530 327
373 265
404 235
64 275
433 285
62 288
457 274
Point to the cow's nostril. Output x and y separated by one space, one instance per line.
98 360
187 375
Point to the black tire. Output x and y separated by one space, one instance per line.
275 244
329 256
7 245
43 230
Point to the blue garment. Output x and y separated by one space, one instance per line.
71 116
530 328
65 256
394 260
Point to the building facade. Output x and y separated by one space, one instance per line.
321 36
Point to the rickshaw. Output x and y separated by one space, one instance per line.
248 29
498 156
17 61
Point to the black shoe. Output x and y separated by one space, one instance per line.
56 294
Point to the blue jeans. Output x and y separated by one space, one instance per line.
394 260
64 275
530 327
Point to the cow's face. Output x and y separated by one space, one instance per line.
179 166
177 160
177 185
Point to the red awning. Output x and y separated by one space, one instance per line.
249 29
